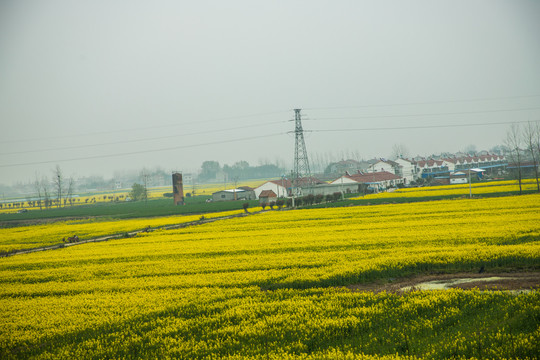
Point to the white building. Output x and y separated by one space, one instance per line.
233 194
378 181
408 170
431 167
280 187
383 165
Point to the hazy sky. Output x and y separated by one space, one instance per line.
162 82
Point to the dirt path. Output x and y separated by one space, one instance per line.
121 236
484 281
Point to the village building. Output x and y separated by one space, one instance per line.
343 166
384 165
407 170
267 196
282 188
527 168
434 168
233 194
458 177
374 181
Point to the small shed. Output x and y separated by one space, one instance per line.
458 178
267 196
233 194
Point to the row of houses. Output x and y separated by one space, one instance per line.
375 175
348 183
413 169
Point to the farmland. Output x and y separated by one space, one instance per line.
451 191
117 198
38 235
274 285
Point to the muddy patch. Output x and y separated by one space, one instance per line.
500 281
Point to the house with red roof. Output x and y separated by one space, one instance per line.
267 196
378 181
283 187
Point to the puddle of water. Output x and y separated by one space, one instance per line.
446 284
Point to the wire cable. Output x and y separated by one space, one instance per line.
418 127
143 151
144 139
422 103
417 115
148 127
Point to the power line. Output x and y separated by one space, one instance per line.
422 103
144 139
265 136
428 114
148 127
143 151
419 127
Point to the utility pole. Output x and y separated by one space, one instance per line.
292 189
470 185
341 188
235 186
144 176
301 162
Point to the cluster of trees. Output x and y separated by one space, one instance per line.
13 205
523 150
307 200
240 170
139 192
57 191
311 199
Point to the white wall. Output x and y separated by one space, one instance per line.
407 169
382 166
451 165
346 180
279 190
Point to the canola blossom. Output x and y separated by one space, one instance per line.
271 285
32 236
483 188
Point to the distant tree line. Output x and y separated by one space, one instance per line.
306 200
240 170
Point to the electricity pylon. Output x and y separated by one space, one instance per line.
301 162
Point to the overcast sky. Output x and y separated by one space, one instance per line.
99 86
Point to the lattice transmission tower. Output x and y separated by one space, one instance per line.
301 162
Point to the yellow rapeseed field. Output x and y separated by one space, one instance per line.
455 190
270 286
31 236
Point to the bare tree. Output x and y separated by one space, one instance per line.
513 142
470 149
69 193
399 151
45 190
531 136
144 176
37 188
58 181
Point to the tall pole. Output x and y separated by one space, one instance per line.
292 190
470 186
301 163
